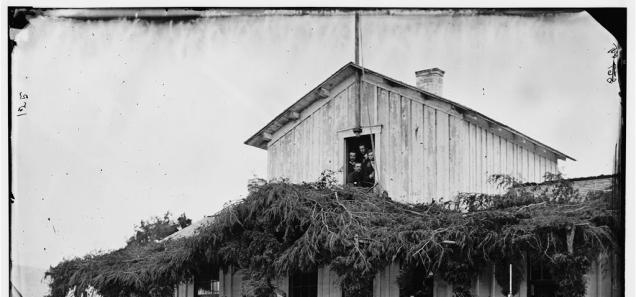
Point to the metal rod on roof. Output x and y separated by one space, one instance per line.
357 129
357 38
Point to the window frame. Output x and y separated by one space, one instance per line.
214 284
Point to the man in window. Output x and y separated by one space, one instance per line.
362 153
356 178
352 161
368 170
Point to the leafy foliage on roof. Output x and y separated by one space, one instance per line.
282 228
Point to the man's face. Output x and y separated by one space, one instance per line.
370 156
352 156
357 167
363 149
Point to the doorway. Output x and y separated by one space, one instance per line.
540 281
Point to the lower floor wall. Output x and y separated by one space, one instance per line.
602 281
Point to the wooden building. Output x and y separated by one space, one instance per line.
426 147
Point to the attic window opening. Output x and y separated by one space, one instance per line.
359 153
207 284
303 284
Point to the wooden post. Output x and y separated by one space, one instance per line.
510 285
493 281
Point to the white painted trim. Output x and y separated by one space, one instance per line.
366 130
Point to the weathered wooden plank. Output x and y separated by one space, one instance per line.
478 159
538 160
413 95
395 130
508 165
473 158
351 105
526 163
417 162
273 162
542 167
383 119
315 143
404 167
523 162
496 169
533 170
483 154
367 114
277 163
512 159
237 280
500 159
375 104
542 163
517 162
270 158
282 150
325 141
311 153
309 150
334 281
304 134
377 288
442 155
287 150
455 154
502 155
464 161
385 290
321 288
530 164
304 114
490 158
431 153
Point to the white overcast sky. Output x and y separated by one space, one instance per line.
126 120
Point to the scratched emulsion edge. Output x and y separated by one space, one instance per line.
614 20
17 19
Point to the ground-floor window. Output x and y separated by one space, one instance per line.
540 281
416 282
303 284
360 160
207 284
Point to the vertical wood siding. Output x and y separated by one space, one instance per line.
385 282
328 283
424 152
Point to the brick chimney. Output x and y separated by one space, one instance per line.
430 80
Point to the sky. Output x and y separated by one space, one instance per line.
128 119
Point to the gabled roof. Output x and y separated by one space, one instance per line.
190 230
260 140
